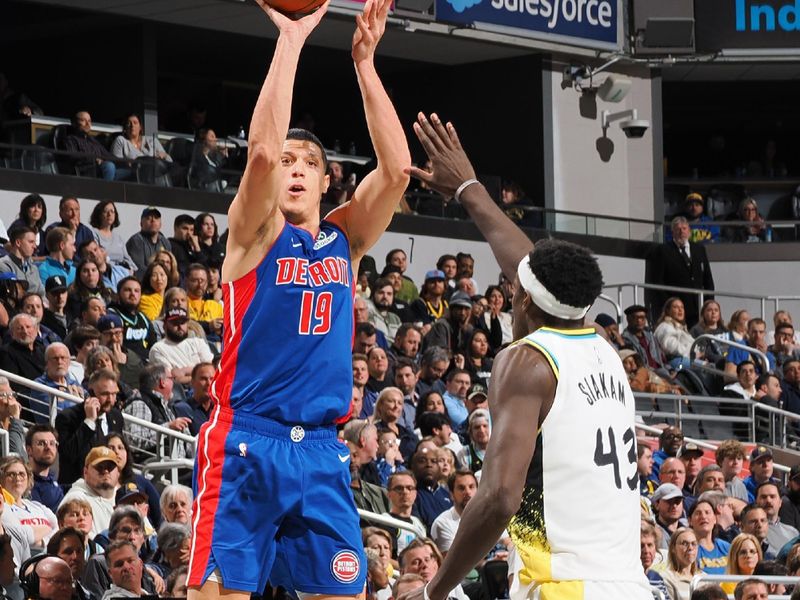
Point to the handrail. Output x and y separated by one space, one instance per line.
4 443
78 400
391 522
707 336
702 444
700 578
614 303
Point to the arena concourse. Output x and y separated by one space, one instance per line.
113 224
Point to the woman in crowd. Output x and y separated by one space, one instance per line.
77 513
103 357
214 291
681 563
711 323
133 143
431 304
388 410
205 228
476 359
104 221
17 479
712 552
737 326
119 444
33 214
88 283
495 321
378 543
430 401
154 284
672 334
176 504
743 557
170 263
207 162
755 230
642 378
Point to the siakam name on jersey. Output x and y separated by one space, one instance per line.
602 386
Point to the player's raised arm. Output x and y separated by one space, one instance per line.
254 218
368 214
452 172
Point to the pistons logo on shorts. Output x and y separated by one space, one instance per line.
345 567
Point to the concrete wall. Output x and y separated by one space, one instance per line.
596 173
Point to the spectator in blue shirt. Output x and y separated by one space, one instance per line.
756 338
56 375
41 445
669 442
761 469
432 499
790 386
455 396
60 243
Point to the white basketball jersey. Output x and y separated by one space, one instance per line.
577 528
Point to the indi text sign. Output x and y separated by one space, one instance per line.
746 24
592 23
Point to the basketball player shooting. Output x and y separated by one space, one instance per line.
273 501
560 470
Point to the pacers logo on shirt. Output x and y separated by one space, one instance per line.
345 567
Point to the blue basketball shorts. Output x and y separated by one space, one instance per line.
273 504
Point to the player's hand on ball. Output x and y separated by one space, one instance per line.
300 28
370 26
450 166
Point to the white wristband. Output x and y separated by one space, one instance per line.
425 592
457 196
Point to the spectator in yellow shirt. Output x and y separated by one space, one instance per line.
207 312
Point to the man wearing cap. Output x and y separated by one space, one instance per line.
55 317
693 210
177 350
611 327
112 336
82 426
692 457
638 336
97 486
680 263
379 307
408 290
60 244
477 397
139 332
790 501
667 503
761 469
149 240
768 497
69 211
451 331
431 304
480 430
21 247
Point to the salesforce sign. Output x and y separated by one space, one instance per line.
592 23
747 25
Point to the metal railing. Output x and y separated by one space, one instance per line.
749 349
613 303
390 521
637 287
702 578
165 457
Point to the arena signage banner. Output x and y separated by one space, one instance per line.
761 25
592 23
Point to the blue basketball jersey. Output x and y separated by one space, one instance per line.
289 330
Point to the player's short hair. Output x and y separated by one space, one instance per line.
451 480
742 365
578 285
403 362
738 592
432 420
183 219
295 133
55 237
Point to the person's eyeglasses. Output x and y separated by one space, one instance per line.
59 581
403 488
7 395
687 544
389 442
46 443
673 436
15 475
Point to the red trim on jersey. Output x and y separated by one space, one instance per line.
210 459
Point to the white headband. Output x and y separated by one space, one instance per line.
542 297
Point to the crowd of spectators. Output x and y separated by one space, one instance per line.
134 327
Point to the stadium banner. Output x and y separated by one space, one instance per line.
760 25
590 23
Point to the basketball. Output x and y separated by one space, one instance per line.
295 7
